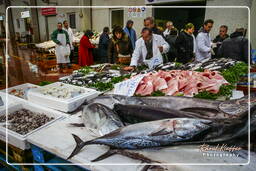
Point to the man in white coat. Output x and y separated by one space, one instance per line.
70 36
148 50
203 41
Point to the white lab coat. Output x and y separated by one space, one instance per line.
140 51
70 36
203 50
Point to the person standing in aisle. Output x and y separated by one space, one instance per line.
220 38
85 49
120 46
203 41
61 38
185 44
148 48
149 23
236 46
169 27
71 39
103 45
130 32
171 39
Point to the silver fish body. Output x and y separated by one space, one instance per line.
153 134
149 134
100 119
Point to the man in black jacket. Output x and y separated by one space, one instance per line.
220 38
235 47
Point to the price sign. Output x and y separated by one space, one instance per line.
128 87
154 62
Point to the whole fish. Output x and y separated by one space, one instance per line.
140 113
100 119
206 108
149 134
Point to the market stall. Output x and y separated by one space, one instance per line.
160 114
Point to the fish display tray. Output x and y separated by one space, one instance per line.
23 87
19 140
11 100
64 105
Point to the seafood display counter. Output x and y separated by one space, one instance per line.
128 128
63 144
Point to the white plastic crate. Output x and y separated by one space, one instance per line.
23 87
17 139
11 100
64 105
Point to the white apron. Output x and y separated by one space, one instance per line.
62 51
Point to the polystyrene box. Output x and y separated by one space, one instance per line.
4 103
17 139
23 87
65 105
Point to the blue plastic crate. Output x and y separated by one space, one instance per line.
39 156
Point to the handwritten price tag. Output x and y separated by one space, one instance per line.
128 87
154 62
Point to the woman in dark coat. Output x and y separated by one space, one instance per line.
120 45
103 45
185 44
85 49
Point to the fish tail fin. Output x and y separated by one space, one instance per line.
79 145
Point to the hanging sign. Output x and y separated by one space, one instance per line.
136 12
25 14
48 11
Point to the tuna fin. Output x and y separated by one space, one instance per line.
160 132
79 145
136 156
77 124
133 155
200 109
109 153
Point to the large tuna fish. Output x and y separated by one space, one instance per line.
201 108
149 134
